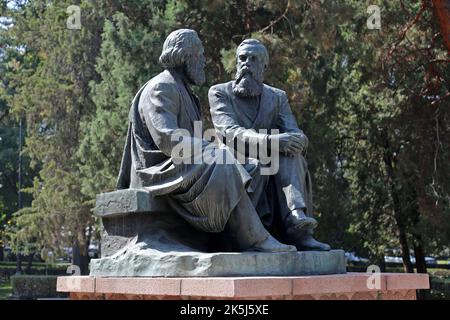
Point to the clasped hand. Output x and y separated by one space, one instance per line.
290 143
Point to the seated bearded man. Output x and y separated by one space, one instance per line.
211 196
240 109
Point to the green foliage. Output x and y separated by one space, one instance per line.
371 101
440 284
8 171
5 291
128 58
10 60
51 90
34 287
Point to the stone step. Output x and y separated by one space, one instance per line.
129 201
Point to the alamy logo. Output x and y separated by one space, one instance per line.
74 19
74 281
374 21
197 149
374 281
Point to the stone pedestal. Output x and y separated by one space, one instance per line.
137 261
350 286
149 252
142 237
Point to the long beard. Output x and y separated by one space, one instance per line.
247 85
195 73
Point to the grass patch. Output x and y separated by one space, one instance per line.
37 265
439 273
35 287
36 268
5 291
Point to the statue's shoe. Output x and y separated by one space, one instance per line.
295 225
308 243
272 245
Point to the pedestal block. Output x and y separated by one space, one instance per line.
350 286
142 237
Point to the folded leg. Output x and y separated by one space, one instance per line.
294 194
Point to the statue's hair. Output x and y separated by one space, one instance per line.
177 48
256 43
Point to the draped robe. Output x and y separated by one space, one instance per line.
204 194
241 119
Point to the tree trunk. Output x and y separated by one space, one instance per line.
421 265
19 264
407 265
381 263
29 263
419 253
389 163
2 255
80 259
442 12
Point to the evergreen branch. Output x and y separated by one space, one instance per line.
3 116
406 28
283 16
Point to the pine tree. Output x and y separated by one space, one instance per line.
53 95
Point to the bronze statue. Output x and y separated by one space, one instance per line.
242 107
212 197
188 206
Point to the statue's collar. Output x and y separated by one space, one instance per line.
179 76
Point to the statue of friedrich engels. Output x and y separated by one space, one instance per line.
211 196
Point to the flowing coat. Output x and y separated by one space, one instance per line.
203 193
234 119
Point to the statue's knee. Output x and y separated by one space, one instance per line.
290 163
292 158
